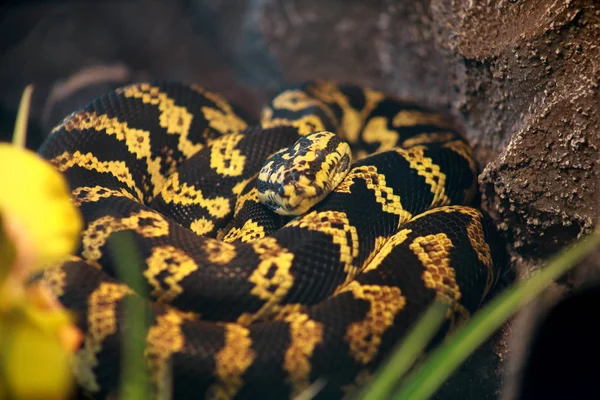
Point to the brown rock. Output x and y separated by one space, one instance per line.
522 75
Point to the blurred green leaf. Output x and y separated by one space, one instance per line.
20 132
135 382
405 354
312 391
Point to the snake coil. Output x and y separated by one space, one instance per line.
245 302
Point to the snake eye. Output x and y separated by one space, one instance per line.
295 174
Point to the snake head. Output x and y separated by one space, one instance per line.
298 177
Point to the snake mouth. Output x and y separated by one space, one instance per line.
272 205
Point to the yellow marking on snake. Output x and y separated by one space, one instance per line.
251 195
390 202
271 278
372 100
181 193
425 167
136 140
172 262
249 232
433 252
364 337
305 125
336 225
395 240
118 169
175 119
380 241
232 361
219 252
296 100
305 335
55 277
90 194
476 238
225 159
352 120
102 322
202 226
223 118
446 209
164 339
241 185
377 248
376 131
484 254
414 117
430 137
97 232
287 311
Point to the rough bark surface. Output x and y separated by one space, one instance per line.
522 76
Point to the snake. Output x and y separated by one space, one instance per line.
275 253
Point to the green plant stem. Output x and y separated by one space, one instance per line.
20 132
406 353
135 384
312 391
424 382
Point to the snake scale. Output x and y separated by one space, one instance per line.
245 302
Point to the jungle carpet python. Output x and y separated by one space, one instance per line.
247 303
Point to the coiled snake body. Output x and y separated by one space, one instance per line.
246 302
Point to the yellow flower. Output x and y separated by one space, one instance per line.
37 212
39 227
36 362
